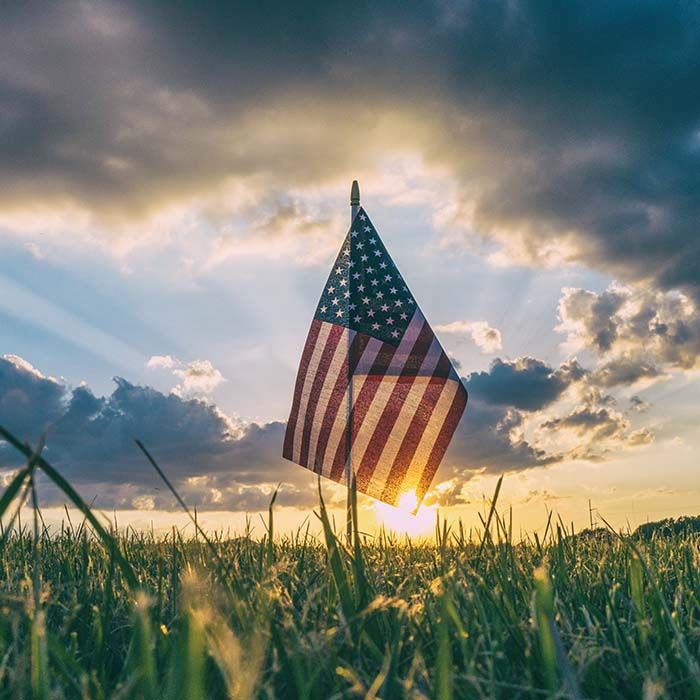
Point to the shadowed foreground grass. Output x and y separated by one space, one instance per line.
87 613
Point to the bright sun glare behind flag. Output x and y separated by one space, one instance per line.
400 519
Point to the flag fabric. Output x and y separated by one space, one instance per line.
375 392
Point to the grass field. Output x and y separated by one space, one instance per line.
90 613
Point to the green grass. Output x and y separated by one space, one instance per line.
86 612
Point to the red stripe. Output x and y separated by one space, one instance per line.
329 349
359 410
357 347
453 415
415 431
393 407
288 449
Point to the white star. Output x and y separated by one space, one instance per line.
356 276
354 234
390 321
360 287
405 288
339 313
351 263
363 217
378 253
343 282
357 319
374 282
346 252
382 264
384 308
360 245
352 307
331 289
375 326
363 258
368 229
370 270
398 302
365 300
338 270
334 301
410 301
346 294
323 309
404 316
379 295
393 290
370 313
387 278
372 241
395 334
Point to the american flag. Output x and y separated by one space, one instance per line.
375 390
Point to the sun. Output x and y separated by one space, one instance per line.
400 518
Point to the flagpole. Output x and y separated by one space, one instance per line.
354 208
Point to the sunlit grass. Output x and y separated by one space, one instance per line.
89 613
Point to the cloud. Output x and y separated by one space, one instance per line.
486 338
198 378
491 436
540 496
162 362
29 398
599 428
637 332
638 404
525 383
563 142
213 459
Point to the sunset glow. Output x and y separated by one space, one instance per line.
400 519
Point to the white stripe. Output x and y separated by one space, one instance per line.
338 430
396 436
308 382
374 413
334 370
376 407
429 437
385 390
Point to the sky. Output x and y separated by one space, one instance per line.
174 187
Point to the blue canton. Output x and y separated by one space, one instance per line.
365 291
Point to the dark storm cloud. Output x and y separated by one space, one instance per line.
91 440
27 397
525 383
570 127
489 437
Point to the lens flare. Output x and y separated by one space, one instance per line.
400 519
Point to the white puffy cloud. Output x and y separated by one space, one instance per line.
636 333
162 362
198 378
485 337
